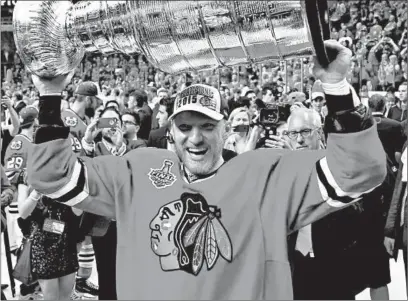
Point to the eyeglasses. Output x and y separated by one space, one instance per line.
293 135
128 122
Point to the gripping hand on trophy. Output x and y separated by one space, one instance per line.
51 125
346 113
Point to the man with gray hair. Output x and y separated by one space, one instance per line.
305 129
321 266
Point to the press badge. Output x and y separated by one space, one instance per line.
54 226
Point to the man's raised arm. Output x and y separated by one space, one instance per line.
56 172
354 162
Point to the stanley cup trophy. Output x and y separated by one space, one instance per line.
175 36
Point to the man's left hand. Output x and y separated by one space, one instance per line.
337 70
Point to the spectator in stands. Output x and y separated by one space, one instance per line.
161 94
159 137
318 103
238 120
268 94
399 111
138 103
10 123
131 127
110 103
390 100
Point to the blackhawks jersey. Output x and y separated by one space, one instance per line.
16 156
76 124
222 237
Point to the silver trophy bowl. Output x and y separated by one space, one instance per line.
175 36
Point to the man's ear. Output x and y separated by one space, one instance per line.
170 133
137 128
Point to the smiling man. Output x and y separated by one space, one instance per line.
193 227
198 131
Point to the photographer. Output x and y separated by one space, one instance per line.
269 127
182 219
110 125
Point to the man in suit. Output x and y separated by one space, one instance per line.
157 137
138 103
322 265
389 130
399 111
397 218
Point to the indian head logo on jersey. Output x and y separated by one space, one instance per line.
16 145
187 232
162 178
71 121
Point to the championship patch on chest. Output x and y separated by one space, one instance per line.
16 145
71 121
187 233
162 178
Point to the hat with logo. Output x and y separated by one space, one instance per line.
202 99
87 89
28 115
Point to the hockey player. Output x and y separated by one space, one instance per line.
77 121
15 164
190 226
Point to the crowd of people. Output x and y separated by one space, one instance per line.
115 104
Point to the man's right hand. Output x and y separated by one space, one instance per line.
389 244
91 131
52 86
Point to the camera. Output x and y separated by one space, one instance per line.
272 116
